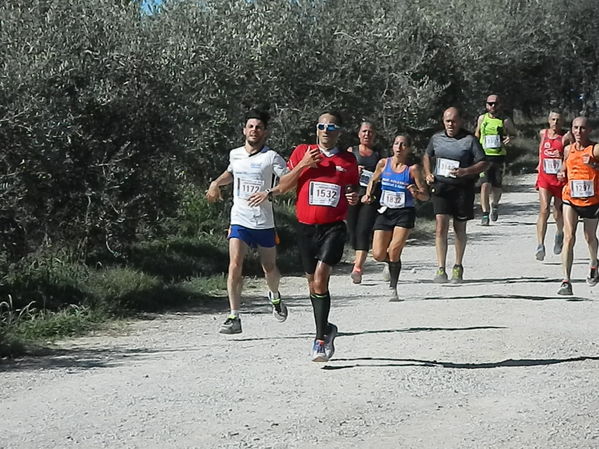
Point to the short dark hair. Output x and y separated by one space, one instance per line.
258 114
336 114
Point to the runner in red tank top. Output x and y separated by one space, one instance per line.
326 181
551 154
580 199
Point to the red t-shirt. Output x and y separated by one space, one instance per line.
321 190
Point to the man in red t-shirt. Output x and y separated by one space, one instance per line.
326 182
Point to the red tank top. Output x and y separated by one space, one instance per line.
582 188
551 154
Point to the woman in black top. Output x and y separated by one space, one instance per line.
360 218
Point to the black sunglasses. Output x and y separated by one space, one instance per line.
491 103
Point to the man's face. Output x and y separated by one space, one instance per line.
492 104
555 121
327 131
581 130
452 122
254 132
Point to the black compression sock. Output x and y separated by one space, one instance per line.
394 270
321 304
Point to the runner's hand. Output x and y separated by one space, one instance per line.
507 140
257 198
311 158
352 198
413 189
430 178
367 199
457 172
213 193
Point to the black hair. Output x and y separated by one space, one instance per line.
336 114
263 116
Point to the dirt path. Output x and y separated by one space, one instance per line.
500 361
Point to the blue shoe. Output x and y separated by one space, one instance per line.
318 352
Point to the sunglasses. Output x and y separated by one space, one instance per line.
330 127
491 103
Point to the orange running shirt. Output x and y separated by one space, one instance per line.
582 188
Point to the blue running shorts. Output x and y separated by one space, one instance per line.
266 238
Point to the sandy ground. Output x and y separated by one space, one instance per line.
500 361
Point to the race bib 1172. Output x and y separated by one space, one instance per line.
246 187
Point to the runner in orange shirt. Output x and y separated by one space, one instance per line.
581 199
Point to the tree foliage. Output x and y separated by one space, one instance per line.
107 112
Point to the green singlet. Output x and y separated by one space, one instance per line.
491 133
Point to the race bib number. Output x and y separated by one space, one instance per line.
246 187
365 177
552 166
493 141
444 167
324 194
393 200
582 189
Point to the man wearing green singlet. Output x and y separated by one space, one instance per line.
494 132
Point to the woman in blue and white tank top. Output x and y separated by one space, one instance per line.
401 184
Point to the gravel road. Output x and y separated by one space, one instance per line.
500 361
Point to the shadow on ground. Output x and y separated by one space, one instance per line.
94 358
511 363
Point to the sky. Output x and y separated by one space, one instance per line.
148 5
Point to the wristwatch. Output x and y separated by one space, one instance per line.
269 194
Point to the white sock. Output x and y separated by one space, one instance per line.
234 313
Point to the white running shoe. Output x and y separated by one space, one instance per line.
279 309
318 352
386 275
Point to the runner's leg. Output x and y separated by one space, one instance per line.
590 234
485 193
544 202
268 260
558 215
441 229
237 251
400 237
570 224
459 228
380 245
320 298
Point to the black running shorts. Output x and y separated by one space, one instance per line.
454 200
324 242
494 174
402 218
585 211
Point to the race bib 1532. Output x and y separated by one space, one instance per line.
324 194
